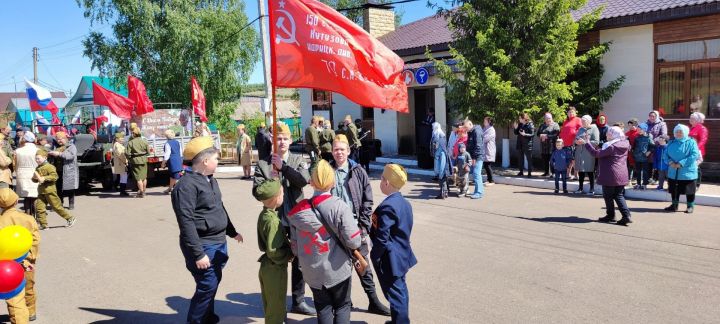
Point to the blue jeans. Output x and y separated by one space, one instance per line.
202 304
477 177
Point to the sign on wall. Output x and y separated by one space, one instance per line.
422 75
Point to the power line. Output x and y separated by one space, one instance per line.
379 5
50 73
72 39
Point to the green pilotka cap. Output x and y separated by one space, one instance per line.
267 189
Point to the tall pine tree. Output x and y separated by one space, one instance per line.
517 56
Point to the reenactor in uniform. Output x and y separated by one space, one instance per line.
204 223
46 176
292 172
327 135
312 139
274 243
351 132
21 307
391 254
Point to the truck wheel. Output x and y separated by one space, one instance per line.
108 182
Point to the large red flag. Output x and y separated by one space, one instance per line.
198 99
314 46
119 105
137 93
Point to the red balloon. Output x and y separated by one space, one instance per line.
11 275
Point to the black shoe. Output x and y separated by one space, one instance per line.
32 317
71 207
520 174
378 308
304 309
557 191
440 196
671 208
624 221
689 210
606 219
124 193
545 174
565 192
529 176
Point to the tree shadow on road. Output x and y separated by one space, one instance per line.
550 192
229 312
560 219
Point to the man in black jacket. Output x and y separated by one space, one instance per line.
353 186
203 222
292 170
477 151
263 142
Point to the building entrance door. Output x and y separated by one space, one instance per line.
424 117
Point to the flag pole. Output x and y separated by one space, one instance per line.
269 65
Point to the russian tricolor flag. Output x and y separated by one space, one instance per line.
40 98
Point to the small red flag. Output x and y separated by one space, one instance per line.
314 46
119 105
137 93
198 99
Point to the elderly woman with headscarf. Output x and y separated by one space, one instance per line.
656 128
172 158
612 172
25 166
137 154
682 154
244 150
438 145
67 154
601 123
700 134
547 132
584 160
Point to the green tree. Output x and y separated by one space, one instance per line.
165 42
516 56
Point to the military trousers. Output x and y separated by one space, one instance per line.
273 285
54 201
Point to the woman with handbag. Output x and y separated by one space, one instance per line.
324 236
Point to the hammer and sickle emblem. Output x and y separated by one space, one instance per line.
289 33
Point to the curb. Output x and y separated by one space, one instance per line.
540 183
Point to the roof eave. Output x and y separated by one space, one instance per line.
645 18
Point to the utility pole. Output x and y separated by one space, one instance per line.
264 36
15 83
35 60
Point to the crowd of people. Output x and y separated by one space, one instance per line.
644 154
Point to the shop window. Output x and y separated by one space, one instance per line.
688 78
689 51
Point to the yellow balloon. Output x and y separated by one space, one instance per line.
15 241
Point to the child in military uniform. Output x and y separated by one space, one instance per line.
273 241
392 255
46 175
21 307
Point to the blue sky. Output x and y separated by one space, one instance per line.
57 27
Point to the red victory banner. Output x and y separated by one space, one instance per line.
198 99
137 93
314 46
119 105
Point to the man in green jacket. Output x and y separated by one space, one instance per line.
353 138
312 139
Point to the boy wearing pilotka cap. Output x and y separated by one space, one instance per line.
203 223
392 255
21 308
46 176
273 242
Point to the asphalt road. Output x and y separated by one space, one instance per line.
518 255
